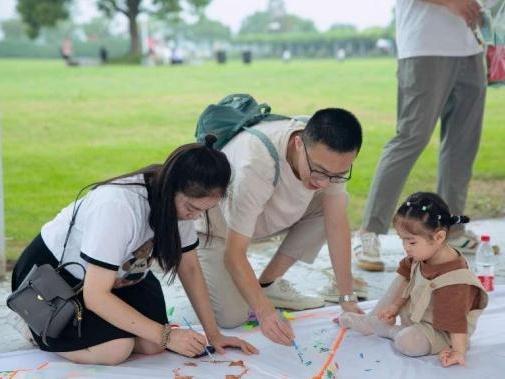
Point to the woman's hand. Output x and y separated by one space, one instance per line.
220 342
449 357
186 342
275 327
468 10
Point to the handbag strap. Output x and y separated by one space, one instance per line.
79 285
70 226
75 209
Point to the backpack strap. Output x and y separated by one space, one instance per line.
271 150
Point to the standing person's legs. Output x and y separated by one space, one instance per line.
460 133
424 85
230 308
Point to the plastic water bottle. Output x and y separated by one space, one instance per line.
485 262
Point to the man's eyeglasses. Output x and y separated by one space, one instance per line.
319 175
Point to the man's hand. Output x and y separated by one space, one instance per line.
449 357
351 306
469 10
275 327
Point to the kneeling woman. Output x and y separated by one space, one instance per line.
120 227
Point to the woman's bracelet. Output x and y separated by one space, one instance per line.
165 335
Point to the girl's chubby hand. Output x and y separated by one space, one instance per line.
388 314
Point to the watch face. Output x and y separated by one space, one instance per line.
346 298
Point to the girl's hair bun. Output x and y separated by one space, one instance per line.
459 220
210 140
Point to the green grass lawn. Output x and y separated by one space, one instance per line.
64 127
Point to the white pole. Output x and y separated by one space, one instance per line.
2 224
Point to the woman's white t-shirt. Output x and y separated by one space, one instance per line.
111 230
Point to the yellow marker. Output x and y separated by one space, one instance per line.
288 315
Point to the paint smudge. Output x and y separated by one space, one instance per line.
177 374
320 347
237 376
250 325
331 372
237 363
252 322
170 311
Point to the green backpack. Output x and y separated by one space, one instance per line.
232 115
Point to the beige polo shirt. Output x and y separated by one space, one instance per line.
254 207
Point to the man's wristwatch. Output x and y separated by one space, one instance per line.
347 298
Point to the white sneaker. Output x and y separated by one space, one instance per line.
331 293
284 295
366 249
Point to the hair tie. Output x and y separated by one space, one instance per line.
210 140
424 208
408 203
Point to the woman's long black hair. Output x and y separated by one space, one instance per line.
196 170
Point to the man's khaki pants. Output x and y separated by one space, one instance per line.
303 241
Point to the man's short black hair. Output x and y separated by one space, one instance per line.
336 128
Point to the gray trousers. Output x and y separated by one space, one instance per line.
452 88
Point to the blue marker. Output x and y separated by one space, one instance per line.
297 349
300 355
205 347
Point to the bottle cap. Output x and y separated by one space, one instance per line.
485 238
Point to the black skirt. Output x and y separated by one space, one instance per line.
145 296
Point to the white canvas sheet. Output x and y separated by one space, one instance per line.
357 357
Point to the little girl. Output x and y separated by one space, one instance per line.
435 294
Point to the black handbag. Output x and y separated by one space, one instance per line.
45 301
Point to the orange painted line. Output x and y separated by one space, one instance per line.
15 372
334 347
42 366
